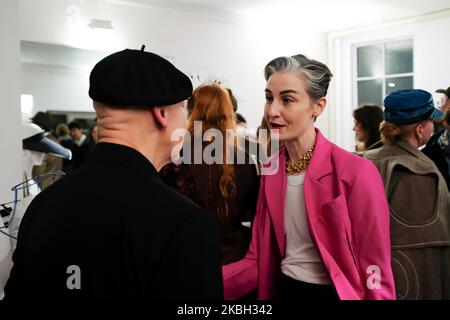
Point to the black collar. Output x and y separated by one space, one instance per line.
123 156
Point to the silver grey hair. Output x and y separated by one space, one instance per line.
316 74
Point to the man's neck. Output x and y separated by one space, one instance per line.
133 128
149 149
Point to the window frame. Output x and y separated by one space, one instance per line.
384 76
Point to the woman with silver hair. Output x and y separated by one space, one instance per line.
321 229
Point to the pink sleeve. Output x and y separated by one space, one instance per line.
370 218
241 277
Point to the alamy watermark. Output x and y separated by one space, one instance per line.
213 153
374 278
74 279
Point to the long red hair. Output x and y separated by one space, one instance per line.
211 104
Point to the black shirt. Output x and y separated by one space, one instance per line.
128 233
434 151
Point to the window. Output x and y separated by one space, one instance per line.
381 69
26 104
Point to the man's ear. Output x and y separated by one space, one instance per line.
160 115
419 132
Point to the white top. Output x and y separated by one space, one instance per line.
80 141
302 261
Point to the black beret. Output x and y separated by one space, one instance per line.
138 78
444 91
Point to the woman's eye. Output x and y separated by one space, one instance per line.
269 98
287 100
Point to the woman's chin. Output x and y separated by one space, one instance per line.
276 132
282 138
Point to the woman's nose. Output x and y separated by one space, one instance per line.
274 110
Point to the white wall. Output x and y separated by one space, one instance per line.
56 88
432 55
431 65
233 51
10 121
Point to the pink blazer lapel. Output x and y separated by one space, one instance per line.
315 193
275 192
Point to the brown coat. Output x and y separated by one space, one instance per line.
419 205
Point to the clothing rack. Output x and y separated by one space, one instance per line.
25 188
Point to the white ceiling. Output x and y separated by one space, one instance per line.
56 55
241 6
320 15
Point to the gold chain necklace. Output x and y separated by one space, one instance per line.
297 167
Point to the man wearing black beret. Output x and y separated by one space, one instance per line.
130 236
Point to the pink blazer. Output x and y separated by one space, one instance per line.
348 218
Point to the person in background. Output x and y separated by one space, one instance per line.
227 191
322 220
445 105
64 138
50 163
88 146
93 132
240 121
264 141
63 133
76 132
125 234
78 148
438 149
418 197
367 126
246 137
46 122
233 99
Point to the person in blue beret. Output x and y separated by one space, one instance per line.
418 197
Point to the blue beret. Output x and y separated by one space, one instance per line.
138 78
410 106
